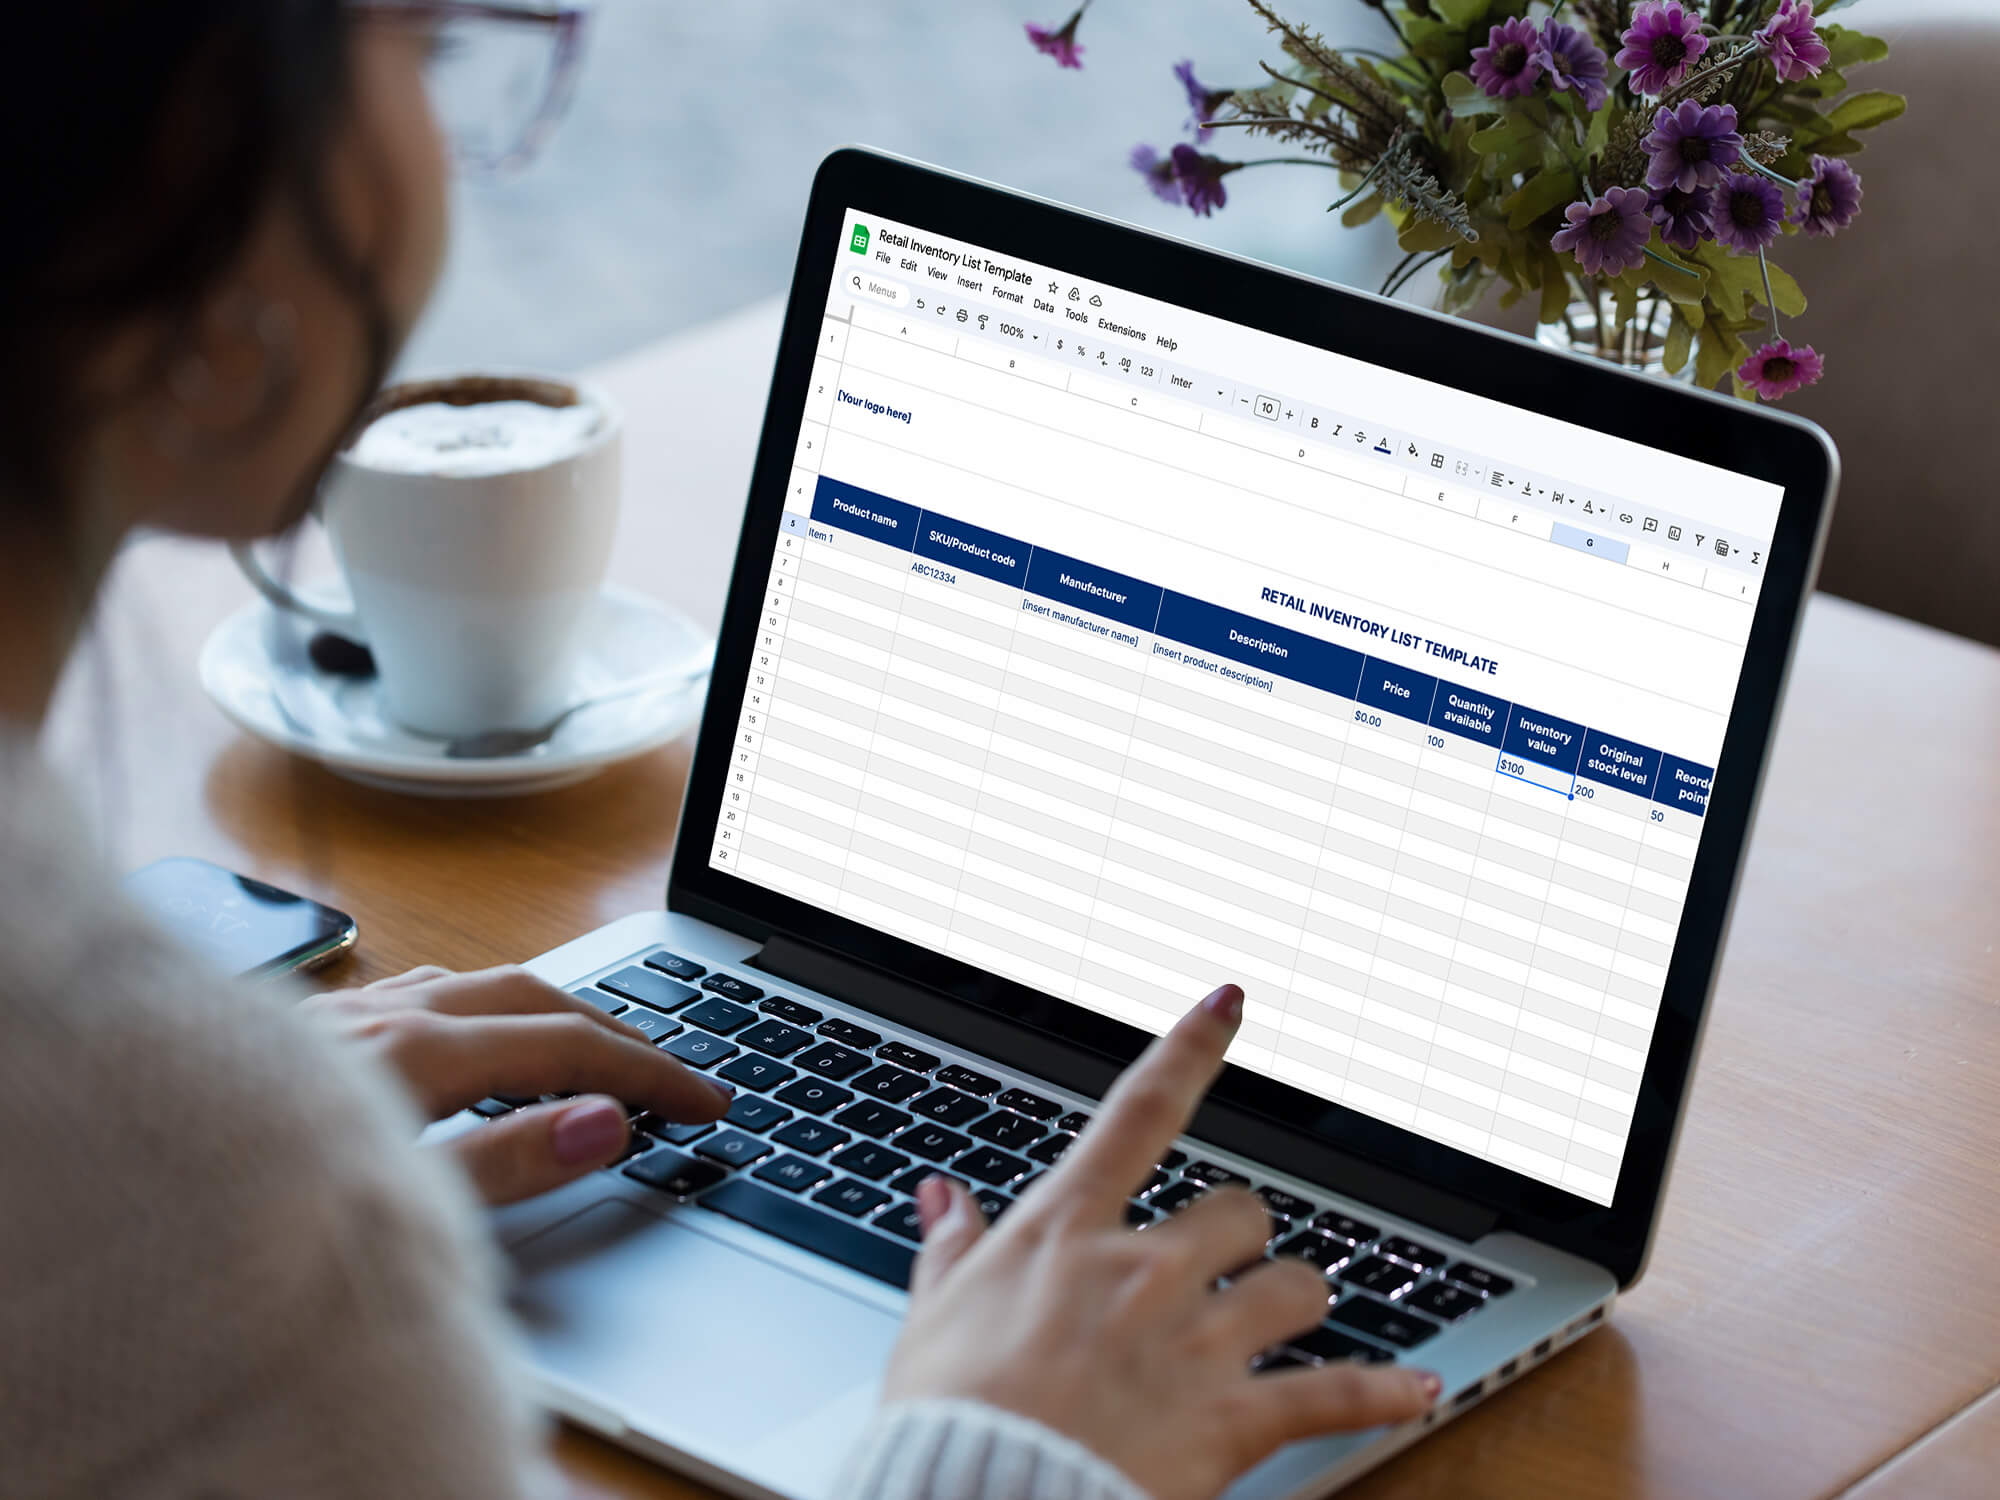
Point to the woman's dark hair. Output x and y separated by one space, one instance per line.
145 139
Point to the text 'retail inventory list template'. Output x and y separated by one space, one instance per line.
1120 650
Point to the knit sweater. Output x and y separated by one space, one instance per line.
227 1273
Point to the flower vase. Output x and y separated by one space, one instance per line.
1591 326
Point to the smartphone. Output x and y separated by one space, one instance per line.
242 926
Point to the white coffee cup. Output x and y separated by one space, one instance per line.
471 589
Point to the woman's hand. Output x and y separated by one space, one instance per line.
456 1038
1120 1339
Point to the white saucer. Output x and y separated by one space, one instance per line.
339 721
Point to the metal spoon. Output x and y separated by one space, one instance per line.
491 744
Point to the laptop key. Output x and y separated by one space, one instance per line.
905 1056
1419 1255
901 1220
648 988
1385 1278
931 1142
887 1081
990 1165
810 1229
866 1159
731 988
1208 1174
492 1108
671 1172
650 1023
815 1095
1007 1130
1032 1105
949 1106
1443 1300
1138 1216
1074 1121
1331 1344
701 1049
1172 1159
719 1015
971 1082
673 1132
1050 1151
911 1180
792 1173
591 995
1354 1231
791 1010
754 1112
814 1137
851 1198
848 1034
831 1060
1465 1273
1290 1205
991 1203
868 1118
1316 1249
1174 1198
674 964
754 1072
733 1148
775 1037
1392 1325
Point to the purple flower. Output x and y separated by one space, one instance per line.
1791 43
1060 43
1662 43
1749 212
1777 369
1507 67
1158 171
1692 146
1204 101
1573 62
1685 218
1201 179
1610 235
1829 197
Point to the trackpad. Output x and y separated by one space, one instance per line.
699 1340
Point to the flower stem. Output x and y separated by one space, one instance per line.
1359 188
1770 302
1756 166
1670 264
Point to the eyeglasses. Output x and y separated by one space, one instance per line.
500 74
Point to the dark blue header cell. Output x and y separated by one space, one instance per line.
1610 761
1683 784
1544 739
851 508
1480 717
973 548
1281 652
1095 590
1397 690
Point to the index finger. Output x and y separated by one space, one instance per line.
1149 1105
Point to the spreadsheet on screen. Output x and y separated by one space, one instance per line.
1120 650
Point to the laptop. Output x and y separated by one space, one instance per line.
1112 618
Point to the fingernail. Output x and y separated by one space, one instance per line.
727 1091
1225 1003
588 1132
932 1198
1432 1384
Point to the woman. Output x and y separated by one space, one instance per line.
224 1268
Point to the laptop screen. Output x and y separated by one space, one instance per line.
1120 650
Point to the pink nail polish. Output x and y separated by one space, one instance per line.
1226 1004
588 1133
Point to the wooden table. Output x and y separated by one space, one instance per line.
1822 1316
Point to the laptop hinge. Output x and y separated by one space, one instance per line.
1060 1062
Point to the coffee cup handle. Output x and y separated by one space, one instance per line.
340 621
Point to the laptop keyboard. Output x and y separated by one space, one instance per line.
835 1125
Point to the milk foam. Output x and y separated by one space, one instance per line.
488 437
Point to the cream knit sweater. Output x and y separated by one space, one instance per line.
227 1274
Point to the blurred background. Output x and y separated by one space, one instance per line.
672 195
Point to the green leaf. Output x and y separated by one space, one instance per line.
1680 344
1467 98
1733 280
1555 296
1360 213
1791 300
1865 111
1461 13
1426 235
1543 193
1717 358
1850 47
